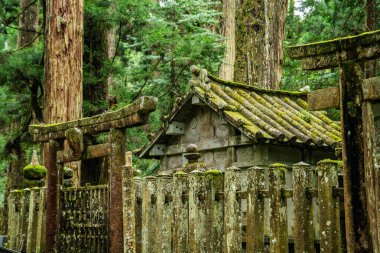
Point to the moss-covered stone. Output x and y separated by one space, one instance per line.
34 172
32 183
338 163
67 173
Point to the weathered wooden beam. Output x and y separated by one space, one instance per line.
324 98
93 151
131 115
132 120
371 88
117 158
354 177
53 197
329 54
331 46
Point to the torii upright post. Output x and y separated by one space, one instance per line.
355 98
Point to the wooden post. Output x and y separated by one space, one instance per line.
129 204
328 207
117 161
356 216
232 234
197 212
214 210
303 208
371 171
255 210
181 215
278 221
52 198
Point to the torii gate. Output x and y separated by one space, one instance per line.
356 97
53 137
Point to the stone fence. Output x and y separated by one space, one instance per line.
248 210
251 210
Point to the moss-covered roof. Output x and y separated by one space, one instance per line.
262 115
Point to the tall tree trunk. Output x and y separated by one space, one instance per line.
226 70
101 49
371 21
28 24
257 40
64 63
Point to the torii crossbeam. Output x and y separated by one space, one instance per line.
357 99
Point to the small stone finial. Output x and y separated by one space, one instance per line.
192 154
34 160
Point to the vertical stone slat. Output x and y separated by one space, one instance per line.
303 208
24 217
117 160
232 239
328 207
129 205
278 220
255 210
138 215
13 218
181 215
163 228
197 212
148 213
33 220
41 223
214 210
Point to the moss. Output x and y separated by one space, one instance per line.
67 173
213 172
338 163
306 116
252 88
34 172
279 166
180 172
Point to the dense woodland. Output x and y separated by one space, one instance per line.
134 48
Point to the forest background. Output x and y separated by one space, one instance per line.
146 47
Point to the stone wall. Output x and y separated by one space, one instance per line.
222 146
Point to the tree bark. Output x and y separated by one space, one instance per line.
63 88
371 18
259 42
64 64
28 23
63 61
226 70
